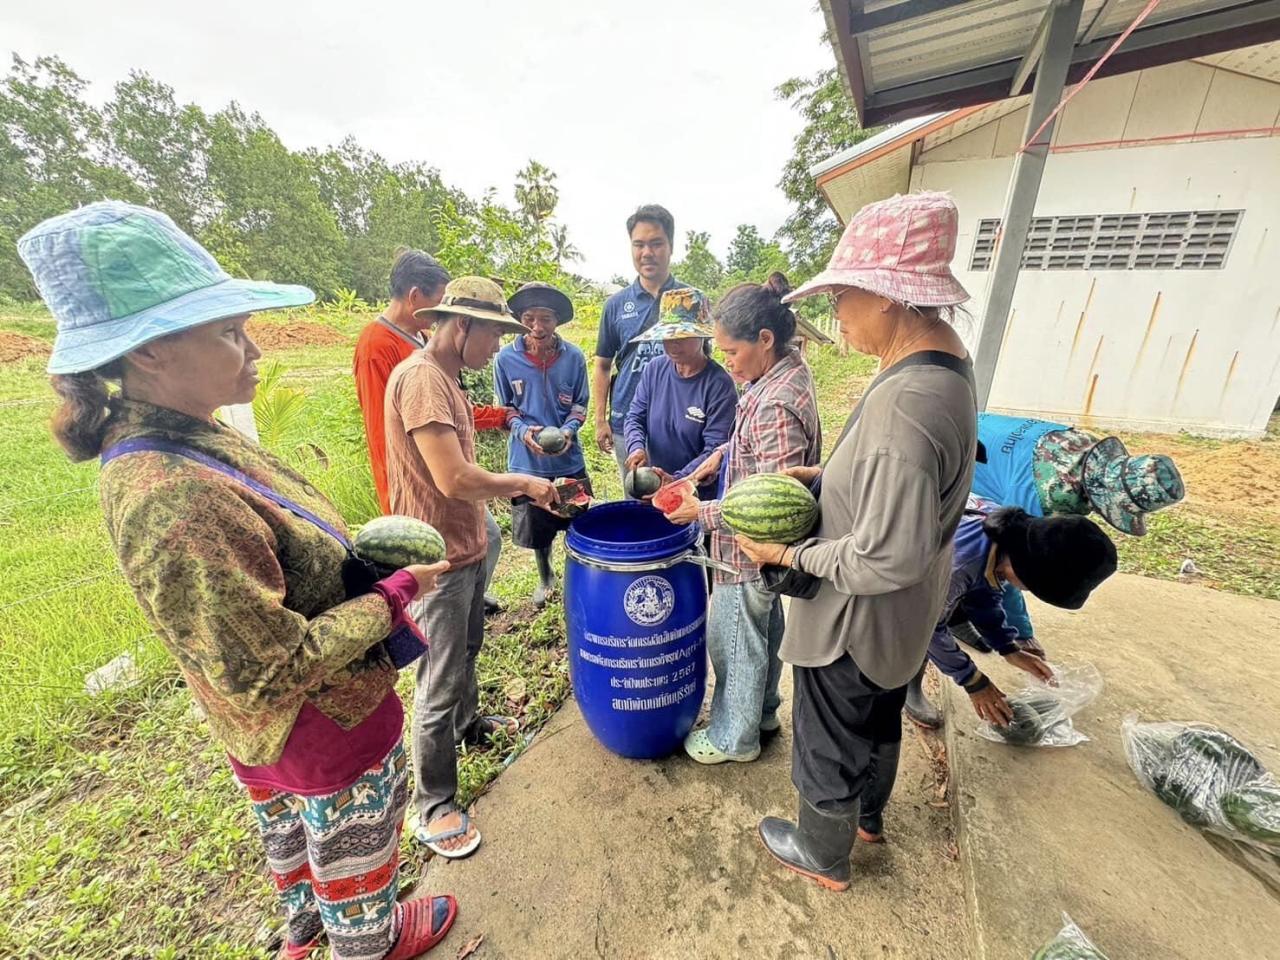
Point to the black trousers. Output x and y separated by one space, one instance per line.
839 718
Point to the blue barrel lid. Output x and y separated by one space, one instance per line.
628 531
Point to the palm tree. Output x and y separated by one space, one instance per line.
537 193
565 251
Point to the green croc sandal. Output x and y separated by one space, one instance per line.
700 748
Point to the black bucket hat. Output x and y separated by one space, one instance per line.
538 294
1060 559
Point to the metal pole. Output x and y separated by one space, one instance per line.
1063 17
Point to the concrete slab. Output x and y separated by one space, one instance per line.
590 855
1042 831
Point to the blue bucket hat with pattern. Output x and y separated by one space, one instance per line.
116 276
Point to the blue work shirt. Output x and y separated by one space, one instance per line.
1007 477
548 395
627 314
982 602
680 421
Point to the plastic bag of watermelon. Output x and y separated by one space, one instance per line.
1069 944
1208 777
1042 711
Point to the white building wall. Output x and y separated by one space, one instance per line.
1150 350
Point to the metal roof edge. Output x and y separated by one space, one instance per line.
886 141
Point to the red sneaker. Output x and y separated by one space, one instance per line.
423 924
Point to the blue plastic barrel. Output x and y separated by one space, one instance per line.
637 614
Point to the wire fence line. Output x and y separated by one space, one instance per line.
48 496
53 591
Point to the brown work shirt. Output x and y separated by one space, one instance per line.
421 393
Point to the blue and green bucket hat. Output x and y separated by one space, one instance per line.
117 276
1122 488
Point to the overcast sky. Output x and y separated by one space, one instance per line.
629 101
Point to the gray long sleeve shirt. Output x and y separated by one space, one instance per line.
892 495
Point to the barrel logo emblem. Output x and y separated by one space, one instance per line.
649 601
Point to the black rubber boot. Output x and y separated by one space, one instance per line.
817 846
918 707
968 634
880 779
546 577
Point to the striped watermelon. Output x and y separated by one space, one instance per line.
770 508
394 542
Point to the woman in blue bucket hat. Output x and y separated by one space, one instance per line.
242 568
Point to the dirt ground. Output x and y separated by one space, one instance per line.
18 346
297 333
1237 475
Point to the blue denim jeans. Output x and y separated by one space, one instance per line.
744 632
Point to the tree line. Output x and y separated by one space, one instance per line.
332 219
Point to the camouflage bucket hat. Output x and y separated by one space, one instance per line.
683 314
1123 488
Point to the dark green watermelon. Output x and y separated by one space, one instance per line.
1033 716
553 440
1204 765
1025 728
1254 810
642 482
1068 950
394 542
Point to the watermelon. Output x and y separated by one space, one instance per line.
395 542
1026 727
573 498
642 482
770 508
672 495
1254 810
1068 950
1204 765
553 440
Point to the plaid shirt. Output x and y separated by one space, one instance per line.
776 427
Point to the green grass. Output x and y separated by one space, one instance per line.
122 834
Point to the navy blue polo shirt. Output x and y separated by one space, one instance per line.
627 314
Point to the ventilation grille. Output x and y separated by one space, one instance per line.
1185 240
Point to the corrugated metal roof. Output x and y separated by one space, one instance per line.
904 58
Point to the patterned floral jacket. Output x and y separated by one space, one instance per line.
247 597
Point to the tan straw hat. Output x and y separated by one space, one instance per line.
477 297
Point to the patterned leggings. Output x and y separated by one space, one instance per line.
335 858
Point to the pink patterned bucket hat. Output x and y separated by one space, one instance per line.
900 248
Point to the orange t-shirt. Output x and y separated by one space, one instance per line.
421 393
380 350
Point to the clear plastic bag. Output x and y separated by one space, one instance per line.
1208 777
1042 712
1069 944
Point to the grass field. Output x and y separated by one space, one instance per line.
121 831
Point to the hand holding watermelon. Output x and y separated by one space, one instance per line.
426 574
685 511
762 553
